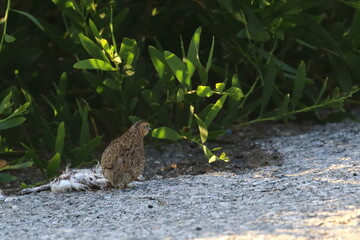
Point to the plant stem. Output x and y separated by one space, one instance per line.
5 23
112 27
307 109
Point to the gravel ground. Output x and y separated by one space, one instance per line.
314 194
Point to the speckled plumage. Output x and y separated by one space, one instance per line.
124 159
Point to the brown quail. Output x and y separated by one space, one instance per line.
124 160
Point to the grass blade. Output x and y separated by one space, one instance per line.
299 84
269 83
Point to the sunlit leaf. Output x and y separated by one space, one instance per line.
235 93
204 91
193 52
128 70
215 110
92 48
166 133
93 63
202 129
128 50
178 68
159 63
219 87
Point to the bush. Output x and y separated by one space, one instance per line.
266 60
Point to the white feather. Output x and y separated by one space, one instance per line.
75 180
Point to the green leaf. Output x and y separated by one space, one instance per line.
9 39
166 133
190 68
84 152
53 166
224 157
209 61
128 70
269 83
204 91
202 73
193 57
323 88
219 87
5 178
97 83
128 50
61 90
299 84
180 95
193 52
111 83
6 102
284 107
178 68
149 96
235 93
336 93
93 63
17 166
104 44
210 156
31 17
202 129
92 48
60 136
94 29
191 115
12 122
159 63
215 110
22 109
